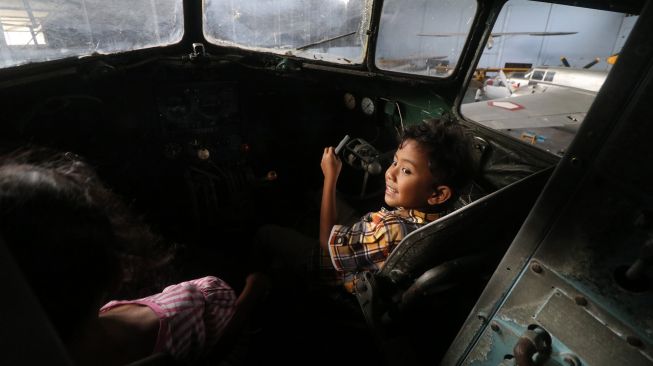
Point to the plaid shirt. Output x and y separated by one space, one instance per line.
366 245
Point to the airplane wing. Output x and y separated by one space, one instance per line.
498 34
558 107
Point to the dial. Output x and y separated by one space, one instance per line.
367 105
350 101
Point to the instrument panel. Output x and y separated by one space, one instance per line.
201 120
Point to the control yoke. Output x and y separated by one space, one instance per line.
360 155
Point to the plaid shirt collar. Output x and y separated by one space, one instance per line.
413 215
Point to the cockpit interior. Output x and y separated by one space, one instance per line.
208 140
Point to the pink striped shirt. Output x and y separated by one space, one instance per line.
193 315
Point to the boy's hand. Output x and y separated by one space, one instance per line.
330 164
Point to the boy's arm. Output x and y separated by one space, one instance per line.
331 166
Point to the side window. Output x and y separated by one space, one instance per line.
539 74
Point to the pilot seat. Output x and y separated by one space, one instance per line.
431 281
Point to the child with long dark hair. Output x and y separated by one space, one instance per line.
77 244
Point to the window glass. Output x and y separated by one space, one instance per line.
537 75
41 30
423 37
514 90
332 30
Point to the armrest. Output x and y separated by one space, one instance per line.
439 279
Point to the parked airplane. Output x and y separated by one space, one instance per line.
212 128
516 84
543 97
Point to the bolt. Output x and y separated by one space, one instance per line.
482 316
536 268
571 360
396 276
580 300
575 161
495 327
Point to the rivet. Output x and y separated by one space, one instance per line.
580 300
571 360
495 327
536 268
482 316
575 161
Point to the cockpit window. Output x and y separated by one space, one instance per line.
537 75
42 30
334 31
423 37
568 52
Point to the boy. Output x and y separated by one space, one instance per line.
433 162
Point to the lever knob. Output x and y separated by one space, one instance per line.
533 348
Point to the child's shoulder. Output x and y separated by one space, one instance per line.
406 215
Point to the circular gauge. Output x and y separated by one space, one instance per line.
203 154
350 101
367 105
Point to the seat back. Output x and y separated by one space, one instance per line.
446 263
26 335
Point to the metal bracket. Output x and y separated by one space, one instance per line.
364 292
199 52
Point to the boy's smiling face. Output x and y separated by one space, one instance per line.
409 182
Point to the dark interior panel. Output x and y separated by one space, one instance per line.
207 153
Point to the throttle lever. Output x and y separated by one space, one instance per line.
341 144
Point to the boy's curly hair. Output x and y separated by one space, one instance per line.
449 148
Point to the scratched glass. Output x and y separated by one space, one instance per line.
423 37
541 69
326 30
42 30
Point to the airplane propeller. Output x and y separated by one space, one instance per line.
592 63
504 80
564 61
